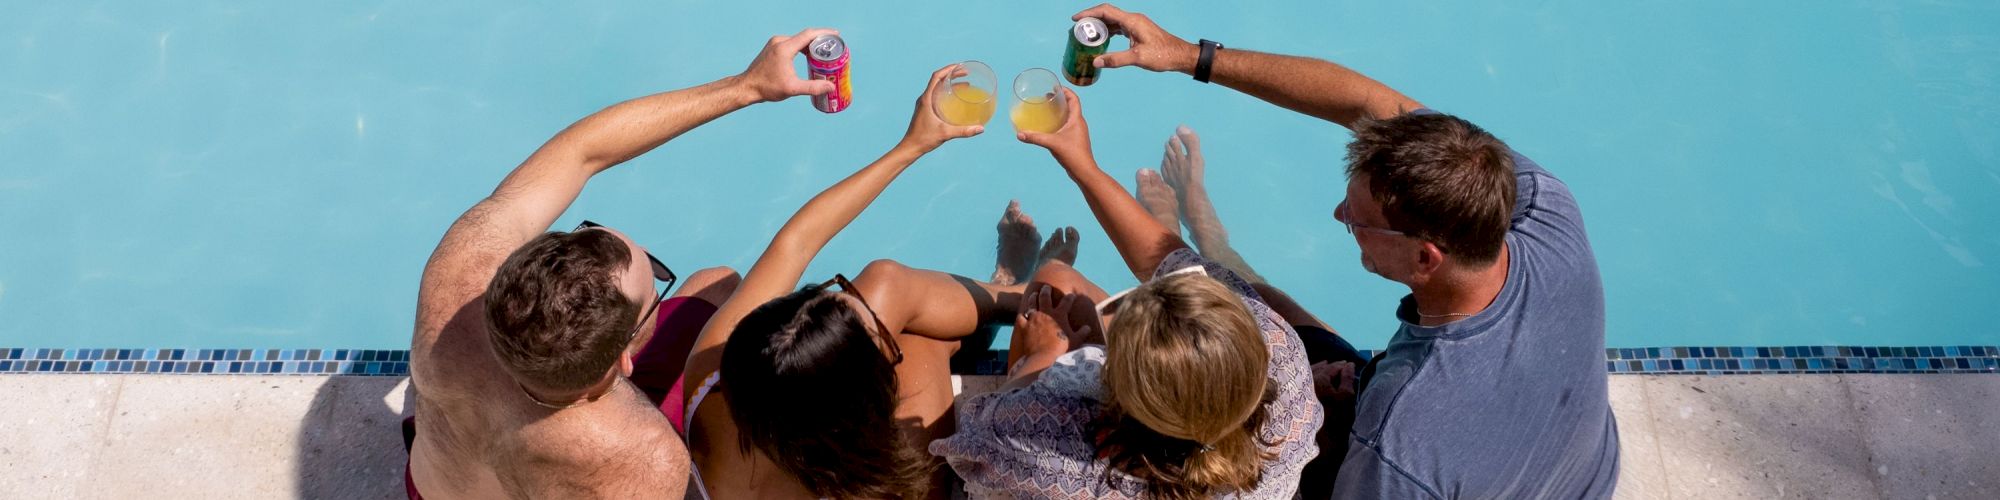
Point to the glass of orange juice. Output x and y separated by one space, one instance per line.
1038 101
968 98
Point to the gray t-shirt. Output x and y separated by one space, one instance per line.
1509 403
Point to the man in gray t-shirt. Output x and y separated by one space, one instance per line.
1494 386
1509 400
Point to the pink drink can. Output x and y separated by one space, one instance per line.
826 58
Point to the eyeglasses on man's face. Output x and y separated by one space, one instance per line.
1344 214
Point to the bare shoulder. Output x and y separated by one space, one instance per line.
461 266
448 297
599 460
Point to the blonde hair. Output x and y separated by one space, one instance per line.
1185 375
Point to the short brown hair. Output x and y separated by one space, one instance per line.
1439 179
554 312
1186 380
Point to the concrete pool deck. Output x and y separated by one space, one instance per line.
1684 436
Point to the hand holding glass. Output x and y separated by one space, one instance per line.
1038 102
967 98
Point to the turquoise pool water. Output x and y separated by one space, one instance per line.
260 175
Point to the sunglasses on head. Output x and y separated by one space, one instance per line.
847 287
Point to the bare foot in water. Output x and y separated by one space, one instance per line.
1160 200
1182 165
1060 247
1183 168
1016 258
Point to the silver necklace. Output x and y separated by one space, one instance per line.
1421 314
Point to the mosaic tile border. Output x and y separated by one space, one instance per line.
1736 360
1717 360
365 362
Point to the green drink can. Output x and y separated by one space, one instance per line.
1088 38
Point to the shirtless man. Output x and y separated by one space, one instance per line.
524 338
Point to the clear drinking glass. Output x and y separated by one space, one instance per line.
1038 101
969 96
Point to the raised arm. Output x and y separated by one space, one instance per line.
1140 238
542 187
778 270
1312 86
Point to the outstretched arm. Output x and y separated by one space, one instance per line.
1140 238
1312 86
778 270
542 187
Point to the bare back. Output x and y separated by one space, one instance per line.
478 436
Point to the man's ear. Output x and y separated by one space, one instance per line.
1430 261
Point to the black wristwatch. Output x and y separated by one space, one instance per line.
1206 63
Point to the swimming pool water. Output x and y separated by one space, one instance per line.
251 174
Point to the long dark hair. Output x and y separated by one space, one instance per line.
809 388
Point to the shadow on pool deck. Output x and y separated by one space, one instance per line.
350 441
1744 436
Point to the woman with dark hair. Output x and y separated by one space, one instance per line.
833 389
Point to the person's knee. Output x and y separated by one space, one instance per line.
1066 279
1056 274
713 285
883 270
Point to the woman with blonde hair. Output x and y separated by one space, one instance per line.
1185 380
1196 390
